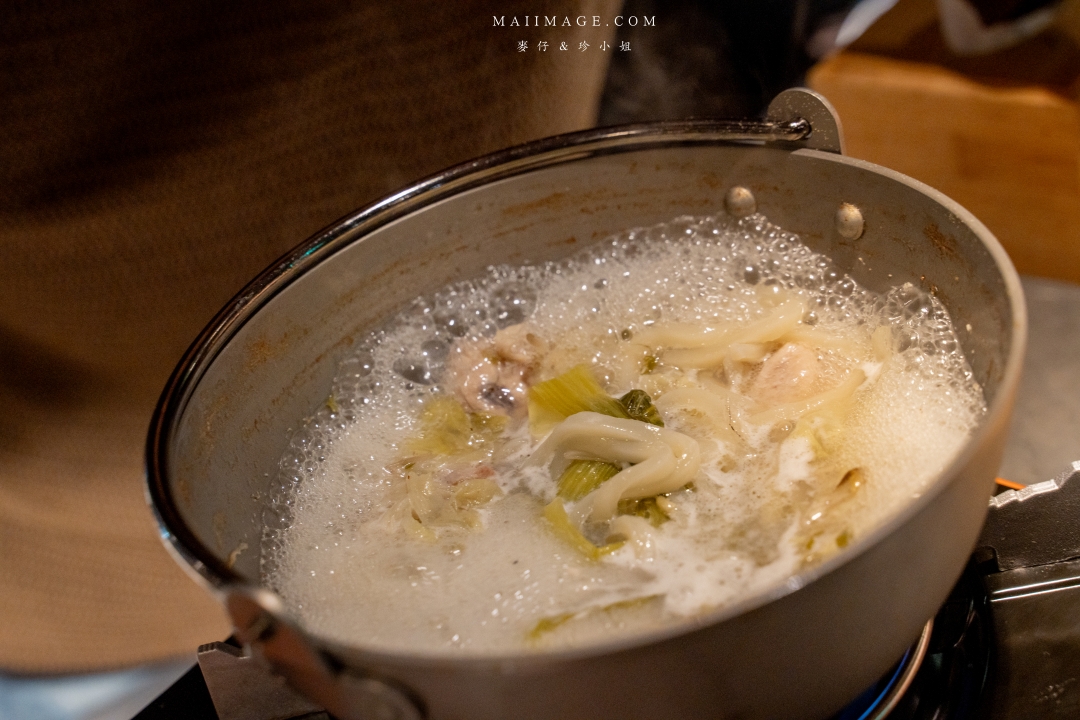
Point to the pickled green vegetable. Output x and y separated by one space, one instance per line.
581 477
575 391
646 508
564 529
547 624
447 429
639 406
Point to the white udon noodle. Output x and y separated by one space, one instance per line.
733 535
661 460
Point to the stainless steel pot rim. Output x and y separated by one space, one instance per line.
466 176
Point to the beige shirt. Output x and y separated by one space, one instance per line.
157 156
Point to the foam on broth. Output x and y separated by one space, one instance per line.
743 528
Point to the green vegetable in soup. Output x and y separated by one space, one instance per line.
639 406
447 429
575 391
546 624
555 514
646 508
581 477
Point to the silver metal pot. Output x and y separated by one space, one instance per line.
801 650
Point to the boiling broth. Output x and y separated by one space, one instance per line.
774 490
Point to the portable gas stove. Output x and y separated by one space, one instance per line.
1005 645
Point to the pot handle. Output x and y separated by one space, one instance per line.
260 624
826 133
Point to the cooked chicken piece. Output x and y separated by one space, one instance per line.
786 375
493 376
469 372
519 344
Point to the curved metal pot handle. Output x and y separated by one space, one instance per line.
259 620
826 132
796 118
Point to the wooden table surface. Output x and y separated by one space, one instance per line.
1000 134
